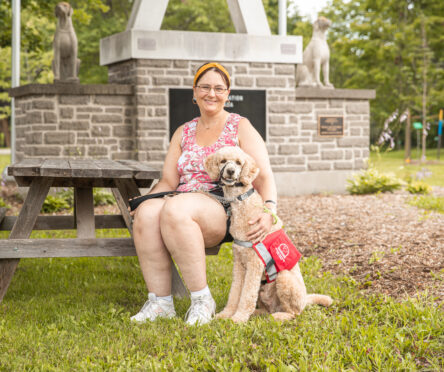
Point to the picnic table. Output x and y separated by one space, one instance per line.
124 177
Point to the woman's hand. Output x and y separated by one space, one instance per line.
262 226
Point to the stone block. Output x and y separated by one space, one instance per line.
296 160
49 117
120 131
288 149
284 69
282 130
43 105
265 82
271 148
126 144
154 62
74 151
353 142
107 118
74 125
357 108
89 109
112 100
34 138
336 103
355 131
110 141
146 144
100 130
166 80
160 111
244 81
359 123
46 150
152 124
59 138
332 155
240 69
317 165
87 141
276 119
360 164
188 82
348 154
282 108
151 99
288 168
74 100
34 117
343 165
303 107
97 151
310 125
83 116
310 149
181 64
156 156
258 65
67 112
277 160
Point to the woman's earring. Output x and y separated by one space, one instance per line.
194 101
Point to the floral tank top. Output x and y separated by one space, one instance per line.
190 165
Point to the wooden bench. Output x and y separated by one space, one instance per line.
124 177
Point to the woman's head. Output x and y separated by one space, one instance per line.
212 66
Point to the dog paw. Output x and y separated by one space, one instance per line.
224 315
239 318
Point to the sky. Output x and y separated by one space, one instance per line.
309 8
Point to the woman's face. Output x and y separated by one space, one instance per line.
211 102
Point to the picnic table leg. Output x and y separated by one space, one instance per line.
84 212
125 190
23 227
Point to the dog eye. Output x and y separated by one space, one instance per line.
238 162
223 161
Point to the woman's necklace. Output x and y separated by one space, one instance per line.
208 126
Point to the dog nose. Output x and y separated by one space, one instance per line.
230 171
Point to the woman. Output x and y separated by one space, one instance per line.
184 225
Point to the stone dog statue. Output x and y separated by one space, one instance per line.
65 64
316 55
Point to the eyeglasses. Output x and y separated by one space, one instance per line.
207 89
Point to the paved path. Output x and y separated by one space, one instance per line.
5 151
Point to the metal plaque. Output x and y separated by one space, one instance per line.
331 126
247 103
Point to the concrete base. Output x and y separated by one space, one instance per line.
302 183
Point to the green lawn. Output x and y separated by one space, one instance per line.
73 314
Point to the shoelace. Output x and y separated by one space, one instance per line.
198 309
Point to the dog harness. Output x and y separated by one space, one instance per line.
276 252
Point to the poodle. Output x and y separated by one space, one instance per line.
285 297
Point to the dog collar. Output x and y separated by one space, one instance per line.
245 195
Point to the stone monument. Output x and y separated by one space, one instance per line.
65 65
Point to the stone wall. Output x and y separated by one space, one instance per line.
65 120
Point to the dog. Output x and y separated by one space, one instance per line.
285 297
316 56
65 64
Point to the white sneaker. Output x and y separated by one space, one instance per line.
154 308
201 311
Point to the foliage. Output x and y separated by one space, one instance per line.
103 197
54 203
418 187
370 181
432 203
377 44
3 204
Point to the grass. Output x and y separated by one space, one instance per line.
73 314
393 161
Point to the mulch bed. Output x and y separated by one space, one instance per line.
386 245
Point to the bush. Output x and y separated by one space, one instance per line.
370 181
431 203
55 203
418 187
3 203
102 197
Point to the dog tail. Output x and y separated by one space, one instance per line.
319 300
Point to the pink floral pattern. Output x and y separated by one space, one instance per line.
190 165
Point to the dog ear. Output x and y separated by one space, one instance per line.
211 167
71 10
249 171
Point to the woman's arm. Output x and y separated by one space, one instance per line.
170 176
252 143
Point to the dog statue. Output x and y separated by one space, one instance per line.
316 56
285 297
65 65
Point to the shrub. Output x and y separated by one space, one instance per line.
54 203
3 203
433 203
102 197
370 181
418 187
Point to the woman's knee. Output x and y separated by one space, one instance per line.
174 211
147 216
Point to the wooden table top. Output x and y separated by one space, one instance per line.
97 172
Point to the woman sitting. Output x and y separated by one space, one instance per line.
184 225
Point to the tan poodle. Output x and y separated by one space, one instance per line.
285 297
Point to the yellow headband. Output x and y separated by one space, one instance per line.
206 67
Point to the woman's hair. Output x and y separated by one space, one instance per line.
216 67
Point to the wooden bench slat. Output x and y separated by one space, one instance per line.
84 168
26 167
111 221
41 248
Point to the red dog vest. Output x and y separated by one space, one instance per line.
277 253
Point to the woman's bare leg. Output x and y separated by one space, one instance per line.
188 224
155 261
